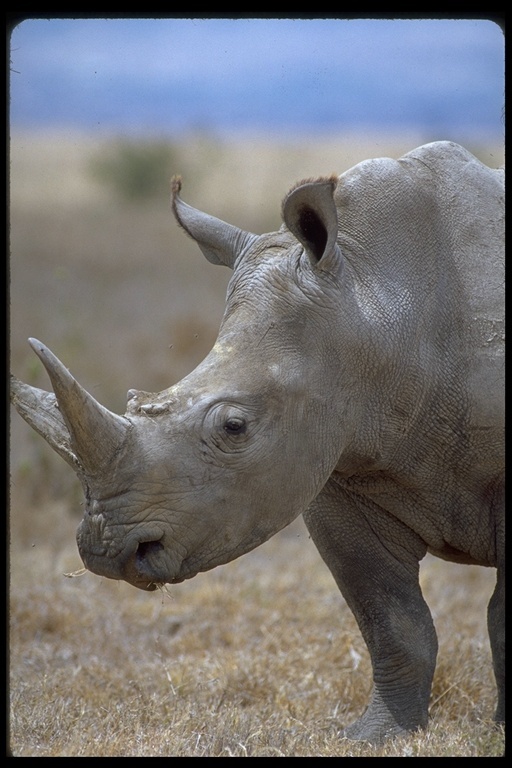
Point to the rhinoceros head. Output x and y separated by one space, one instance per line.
200 473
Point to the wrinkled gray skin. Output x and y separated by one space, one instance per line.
357 379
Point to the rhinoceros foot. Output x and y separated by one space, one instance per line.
378 724
371 732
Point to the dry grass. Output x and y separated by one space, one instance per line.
260 657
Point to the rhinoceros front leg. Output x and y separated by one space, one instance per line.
375 561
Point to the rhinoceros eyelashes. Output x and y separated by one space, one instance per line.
228 427
235 425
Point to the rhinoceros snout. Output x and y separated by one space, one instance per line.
140 560
146 556
147 548
138 569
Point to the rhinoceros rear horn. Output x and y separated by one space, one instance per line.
95 433
309 212
220 242
40 410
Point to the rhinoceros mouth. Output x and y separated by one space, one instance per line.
155 563
127 571
142 561
146 568
147 564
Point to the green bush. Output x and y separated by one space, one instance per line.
135 170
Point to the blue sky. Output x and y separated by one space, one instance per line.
275 76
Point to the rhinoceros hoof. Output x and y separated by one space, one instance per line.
373 732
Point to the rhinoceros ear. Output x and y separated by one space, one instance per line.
310 214
220 242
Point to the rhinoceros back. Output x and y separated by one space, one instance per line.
443 187
471 201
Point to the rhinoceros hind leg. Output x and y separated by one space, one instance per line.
496 627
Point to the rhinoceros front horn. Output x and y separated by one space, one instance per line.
85 433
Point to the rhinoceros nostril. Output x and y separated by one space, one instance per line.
147 548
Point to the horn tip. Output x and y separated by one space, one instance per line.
38 347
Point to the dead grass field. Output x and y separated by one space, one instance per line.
260 657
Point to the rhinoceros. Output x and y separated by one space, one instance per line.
357 379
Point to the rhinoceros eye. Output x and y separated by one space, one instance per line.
235 425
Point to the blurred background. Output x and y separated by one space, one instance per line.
104 111
275 77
